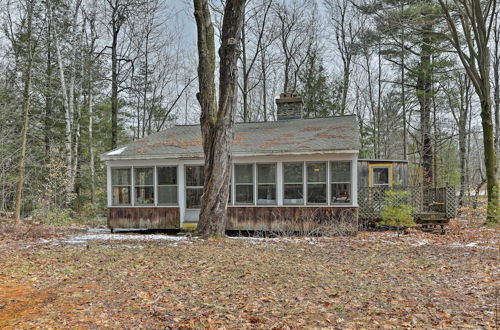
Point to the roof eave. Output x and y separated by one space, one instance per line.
234 154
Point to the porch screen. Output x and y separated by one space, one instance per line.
340 179
293 180
195 177
120 186
167 185
316 183
144 186
243 183
266 183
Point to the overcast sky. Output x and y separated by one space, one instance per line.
184 18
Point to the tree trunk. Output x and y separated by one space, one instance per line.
114 86
48 94
424 94
462 135
217 122
25 108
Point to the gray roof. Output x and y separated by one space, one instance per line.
318 135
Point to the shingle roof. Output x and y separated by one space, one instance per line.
333 134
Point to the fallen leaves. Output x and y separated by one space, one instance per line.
371 280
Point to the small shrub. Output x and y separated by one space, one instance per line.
397 212
55 216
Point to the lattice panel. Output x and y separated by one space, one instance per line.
372 199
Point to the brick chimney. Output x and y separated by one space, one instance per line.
289 106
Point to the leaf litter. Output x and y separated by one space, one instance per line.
372 280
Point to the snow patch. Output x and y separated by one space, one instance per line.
116 152
122 237
264 240
421 243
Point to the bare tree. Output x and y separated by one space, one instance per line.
256 23
347 25
476 19
217 120
26 32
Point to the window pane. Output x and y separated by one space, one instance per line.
293 172
266 194
380 175
316 172
340 172
243 173
195 176
341 192
144 176
167 175
167 194
293 194
121 196
144 195
266 173
244 194
316 193
193 198
120 176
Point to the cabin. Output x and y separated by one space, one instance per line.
292 174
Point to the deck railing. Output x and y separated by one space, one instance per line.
371 200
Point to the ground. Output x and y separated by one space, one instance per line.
94 279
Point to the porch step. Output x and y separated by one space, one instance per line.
431 215
189 225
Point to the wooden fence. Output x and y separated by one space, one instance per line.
371 200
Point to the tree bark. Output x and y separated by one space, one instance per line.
25 109
217 121
424 95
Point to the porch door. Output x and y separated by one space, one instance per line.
194 179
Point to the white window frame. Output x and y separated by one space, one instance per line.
302 163
158 185
130 186
186 187
144 186
326 162
275 183
254 186
331 182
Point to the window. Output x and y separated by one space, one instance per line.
266 183
316 183
167 185
293 183
120 186
195 177
144 186
340 179
243 177
380 176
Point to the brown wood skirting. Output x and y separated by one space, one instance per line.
144 217
297 218
265 218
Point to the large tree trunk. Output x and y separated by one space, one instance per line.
424 95
462 134
217 122
25 108
114 86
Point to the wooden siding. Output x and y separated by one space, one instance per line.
144 217
296 218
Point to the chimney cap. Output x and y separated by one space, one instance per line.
289 98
